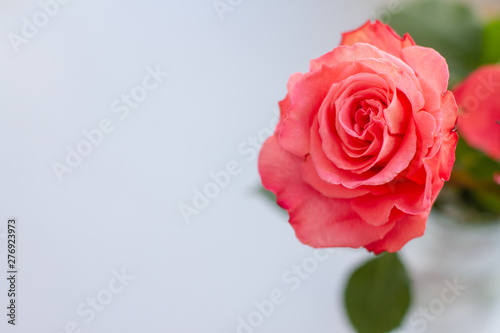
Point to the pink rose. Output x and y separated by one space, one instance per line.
364 143
479 117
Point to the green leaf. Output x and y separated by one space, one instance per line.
491 45
452 29
378 294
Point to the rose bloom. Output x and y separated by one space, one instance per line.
479 116
364 143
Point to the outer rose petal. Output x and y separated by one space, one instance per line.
318 221
442 162
478 98
379 35
408 197
405 229
368 54
311 177
285 103
305 98
431 70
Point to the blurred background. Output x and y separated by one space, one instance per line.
129 134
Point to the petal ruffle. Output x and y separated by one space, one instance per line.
379 35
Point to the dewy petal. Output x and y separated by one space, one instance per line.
318 221
405 229
379 35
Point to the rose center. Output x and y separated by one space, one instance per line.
364 115
361 119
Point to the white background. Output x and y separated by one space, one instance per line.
119 209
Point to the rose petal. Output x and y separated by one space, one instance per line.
426 129
379 35
362 53
432 71
324 222
305 98
334 175
318 221
405 229
285 103
310 176
408 197
443 160
398 113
